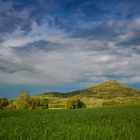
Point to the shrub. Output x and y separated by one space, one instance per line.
74 103
34 103
3 102
44 103
11 106
23 101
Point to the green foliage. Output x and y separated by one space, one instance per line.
23 101
3 102
106 123
74 103
11 106
44 103
34 103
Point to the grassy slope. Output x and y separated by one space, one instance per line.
107 89
107 123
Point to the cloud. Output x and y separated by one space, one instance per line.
49 55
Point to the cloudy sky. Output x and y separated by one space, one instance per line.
64 45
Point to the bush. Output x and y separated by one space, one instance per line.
3 102
11 106
44 103
34 103
23 101
74 103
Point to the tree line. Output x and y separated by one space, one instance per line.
24 101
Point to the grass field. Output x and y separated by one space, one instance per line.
106 123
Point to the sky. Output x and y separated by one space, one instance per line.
65 45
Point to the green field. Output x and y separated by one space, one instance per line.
106 123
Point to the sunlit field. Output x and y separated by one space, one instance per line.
106 123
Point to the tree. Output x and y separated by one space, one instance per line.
74 103
23 101
44 103
11 104
3 102
35 102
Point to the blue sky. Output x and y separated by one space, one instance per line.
65 45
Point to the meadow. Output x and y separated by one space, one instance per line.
102 123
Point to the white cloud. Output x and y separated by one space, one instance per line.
74 59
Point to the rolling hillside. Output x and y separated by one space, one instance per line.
107 89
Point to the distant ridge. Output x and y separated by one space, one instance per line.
107 89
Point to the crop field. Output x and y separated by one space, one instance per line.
105 123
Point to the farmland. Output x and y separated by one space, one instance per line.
107 123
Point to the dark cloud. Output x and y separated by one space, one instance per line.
10 66
37 45
99 32
6 69
10 69
136 49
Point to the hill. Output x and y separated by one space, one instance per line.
54 94
107 89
